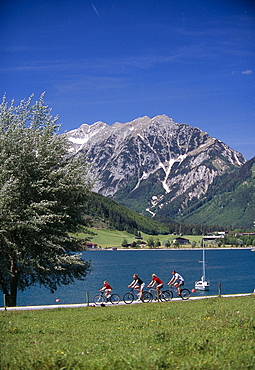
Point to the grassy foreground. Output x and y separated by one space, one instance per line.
215 333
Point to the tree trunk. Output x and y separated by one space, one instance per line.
4 288
11 299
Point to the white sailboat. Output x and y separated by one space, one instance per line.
202 284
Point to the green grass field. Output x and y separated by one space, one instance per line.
215 333
112 238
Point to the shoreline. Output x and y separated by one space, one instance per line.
110 249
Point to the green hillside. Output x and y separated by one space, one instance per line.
114 222
106 212
230 201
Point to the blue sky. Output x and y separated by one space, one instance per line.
116 60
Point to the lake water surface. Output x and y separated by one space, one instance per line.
233 268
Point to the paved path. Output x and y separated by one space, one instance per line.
78 305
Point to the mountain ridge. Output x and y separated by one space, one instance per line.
150 164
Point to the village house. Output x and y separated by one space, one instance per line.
181 240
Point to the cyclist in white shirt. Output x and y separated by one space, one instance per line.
177 280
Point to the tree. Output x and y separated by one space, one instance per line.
167 243
150 242
124 243
157 243
193 245
42 191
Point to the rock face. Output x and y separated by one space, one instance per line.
150 164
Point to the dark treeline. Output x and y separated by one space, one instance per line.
189 229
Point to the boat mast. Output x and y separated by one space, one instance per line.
203 277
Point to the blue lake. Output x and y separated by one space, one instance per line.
233 268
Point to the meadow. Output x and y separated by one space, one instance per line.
106 238
215 333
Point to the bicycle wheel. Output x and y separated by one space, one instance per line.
128 298
185 293
171 294
115 298
98 299
147 297
166 295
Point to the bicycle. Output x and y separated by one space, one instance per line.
130 296
152 294
184 292
101 299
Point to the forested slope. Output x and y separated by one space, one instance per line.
118 217
229 201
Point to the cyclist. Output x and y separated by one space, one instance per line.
156 280
137 284
107 289
177 280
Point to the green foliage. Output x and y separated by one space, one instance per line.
239 240
42 191
214 333
124 243
151 242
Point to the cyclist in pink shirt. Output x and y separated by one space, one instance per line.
156 280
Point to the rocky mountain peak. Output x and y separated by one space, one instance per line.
149 163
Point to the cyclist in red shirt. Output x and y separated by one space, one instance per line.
107 288
156 280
